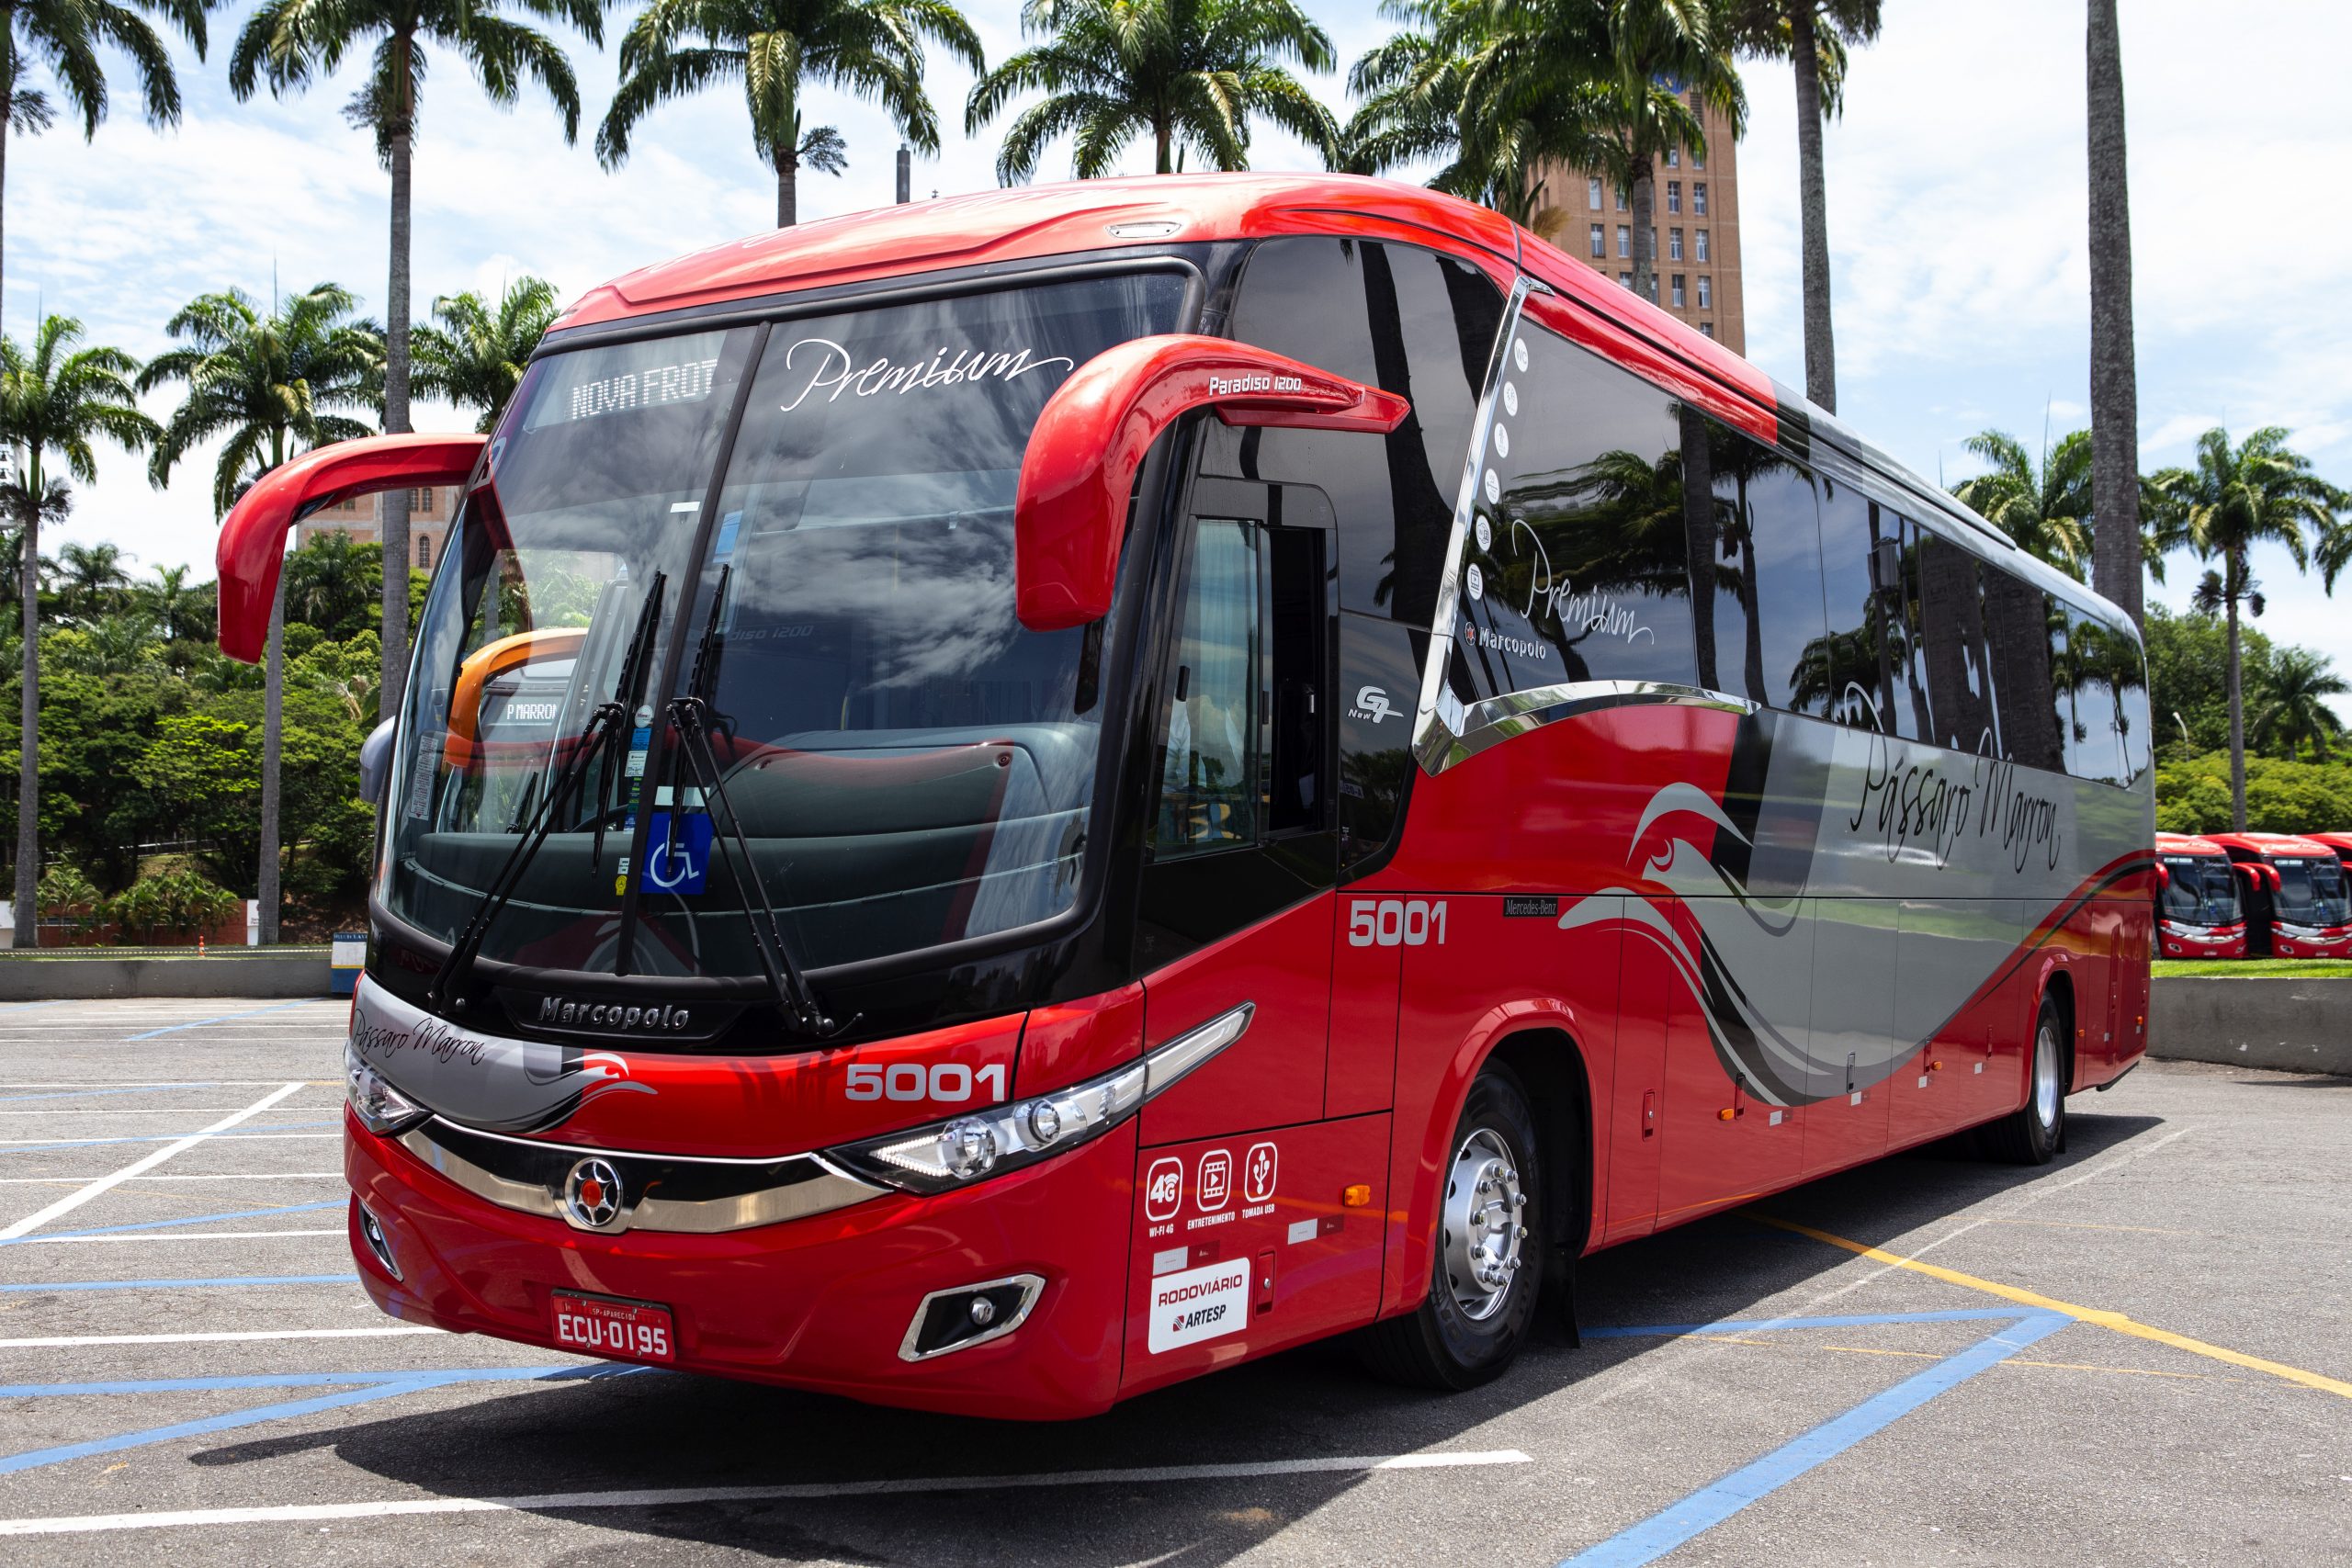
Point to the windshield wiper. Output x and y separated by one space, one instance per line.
694 719
603 733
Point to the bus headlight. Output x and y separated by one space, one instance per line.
944 1156
381 1108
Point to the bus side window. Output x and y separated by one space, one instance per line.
1755 571
1960 692
1577 566
2131 703
1397 317
1212 784
2088 698
2017 619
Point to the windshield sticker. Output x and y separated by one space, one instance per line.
687 383
833 370
679 858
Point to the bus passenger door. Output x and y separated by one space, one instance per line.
1722 1143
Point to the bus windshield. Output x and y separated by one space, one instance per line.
2202 891
906 765
2311 892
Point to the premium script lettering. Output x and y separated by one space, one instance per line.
833 370
1589 614
443 1043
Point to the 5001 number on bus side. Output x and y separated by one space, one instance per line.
951 1082
1395 922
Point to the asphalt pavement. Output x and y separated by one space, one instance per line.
2138 1354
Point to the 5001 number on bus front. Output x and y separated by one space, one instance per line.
1395 922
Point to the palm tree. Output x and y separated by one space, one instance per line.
871 48
179 608
1187 73
475 357
55 397
287 43
1813 36
268 387
2260 492
2115 394
2046 514
65 35
329 582
1659 46
94 580
2294 702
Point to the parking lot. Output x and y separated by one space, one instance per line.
2138 1354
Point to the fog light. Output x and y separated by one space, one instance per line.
952 1320
371 1231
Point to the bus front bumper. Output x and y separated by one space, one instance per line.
822 1302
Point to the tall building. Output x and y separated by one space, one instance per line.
1696 219
362 518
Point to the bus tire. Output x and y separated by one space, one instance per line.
1489 1262
2036 1131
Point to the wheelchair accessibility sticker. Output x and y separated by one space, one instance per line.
678 863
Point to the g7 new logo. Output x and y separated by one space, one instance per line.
1372 703
1395 922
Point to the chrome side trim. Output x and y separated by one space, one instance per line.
703 1197
1032 1287
1438 718
1172 1061
1500 719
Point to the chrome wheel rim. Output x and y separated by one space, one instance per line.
2045 1075
1483 1227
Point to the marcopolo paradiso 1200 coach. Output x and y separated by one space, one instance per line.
1006 801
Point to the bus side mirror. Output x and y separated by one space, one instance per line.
1070 513
2164 877
375 762
252 537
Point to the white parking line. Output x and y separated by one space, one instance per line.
170 1235
224 1337
141 1165
154 1138
663 1497
184 1176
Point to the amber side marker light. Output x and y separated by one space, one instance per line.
1356 1195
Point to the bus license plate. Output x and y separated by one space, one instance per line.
600 1326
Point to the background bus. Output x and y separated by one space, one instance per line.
2296 901
2199 914
1015 799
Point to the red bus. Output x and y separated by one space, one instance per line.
2296 901
2199 913
1011 800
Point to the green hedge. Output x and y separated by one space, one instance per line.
2193 795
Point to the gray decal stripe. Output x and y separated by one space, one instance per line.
2025 955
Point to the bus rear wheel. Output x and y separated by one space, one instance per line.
2035 1131
1489 1260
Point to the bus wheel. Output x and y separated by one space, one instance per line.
2036 1131
1489 1251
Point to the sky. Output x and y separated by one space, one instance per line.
1957 219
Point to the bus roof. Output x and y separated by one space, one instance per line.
1150 213
2187 845
2272 843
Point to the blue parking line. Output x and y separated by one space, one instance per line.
64 1286
1713 1504
28 1007
1763 1325
224 1018
373 1386
169 1224
93 1093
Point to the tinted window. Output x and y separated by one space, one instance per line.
1211 794
2017 619
2200 890
2311 892
1958 659
1755 571
2090 697
1867 664
1411 322
1577 566
2139 731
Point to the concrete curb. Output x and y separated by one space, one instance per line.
55 979
2296 1026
